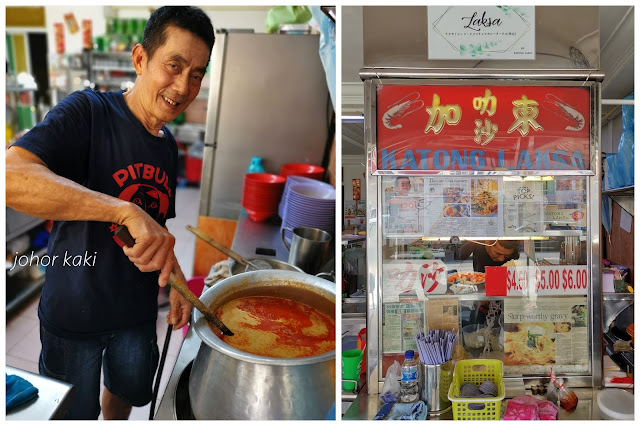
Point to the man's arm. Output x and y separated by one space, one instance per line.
181 308
32 188
465 250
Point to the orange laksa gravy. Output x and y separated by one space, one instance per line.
276 327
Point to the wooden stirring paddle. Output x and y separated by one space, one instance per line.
123 234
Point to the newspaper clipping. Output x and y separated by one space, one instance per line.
546 332
400 325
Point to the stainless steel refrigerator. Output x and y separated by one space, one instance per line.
268 98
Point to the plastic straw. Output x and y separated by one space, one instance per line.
435 346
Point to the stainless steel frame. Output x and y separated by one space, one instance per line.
392 76
210 136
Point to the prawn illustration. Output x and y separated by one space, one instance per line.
401 109
564 110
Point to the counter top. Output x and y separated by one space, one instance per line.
251 236
53 398
366 406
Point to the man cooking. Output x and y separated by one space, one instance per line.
97 161
489 253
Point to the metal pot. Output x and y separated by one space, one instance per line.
227 383
235 268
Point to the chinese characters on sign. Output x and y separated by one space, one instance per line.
482 128
356 188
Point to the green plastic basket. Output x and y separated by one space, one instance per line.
476 371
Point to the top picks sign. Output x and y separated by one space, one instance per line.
482 128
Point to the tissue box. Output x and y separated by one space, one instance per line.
607 281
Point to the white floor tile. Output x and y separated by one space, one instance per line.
31 309
19 327
22 364
29 347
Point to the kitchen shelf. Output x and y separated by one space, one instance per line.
21 291
118 55
618 296
18 89
24 222
14 271
564 233
112 82
113 68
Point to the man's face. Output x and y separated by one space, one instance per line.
499 253
171 79
403 186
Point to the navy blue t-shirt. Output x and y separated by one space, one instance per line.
94 139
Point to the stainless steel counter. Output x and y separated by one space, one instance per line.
249 236
51 403
252 235
366 406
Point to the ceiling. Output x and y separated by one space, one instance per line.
616 61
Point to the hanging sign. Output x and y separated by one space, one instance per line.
356 188
482 128
481 32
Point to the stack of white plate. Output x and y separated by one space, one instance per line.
307 202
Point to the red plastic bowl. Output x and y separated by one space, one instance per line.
260 215
264 178
302 169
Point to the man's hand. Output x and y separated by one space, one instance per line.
178 316
153 249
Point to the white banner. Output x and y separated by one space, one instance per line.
422 276
547 280
481 32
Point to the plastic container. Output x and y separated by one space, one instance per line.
476 371
629 331
409 391
256 165
302 169
615 404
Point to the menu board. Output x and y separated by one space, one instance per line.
400 323
544 332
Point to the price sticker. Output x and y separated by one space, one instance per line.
540 280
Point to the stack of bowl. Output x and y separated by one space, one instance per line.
308 202
302 169
261 194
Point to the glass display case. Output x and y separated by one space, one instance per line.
483 217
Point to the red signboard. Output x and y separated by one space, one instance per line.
356 188
483 128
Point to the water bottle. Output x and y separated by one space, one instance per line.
409 382
256 165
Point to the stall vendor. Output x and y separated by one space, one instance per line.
489 253
97 161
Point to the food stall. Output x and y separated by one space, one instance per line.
483 202
466 158
488 158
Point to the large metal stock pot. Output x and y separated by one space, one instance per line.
227 383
